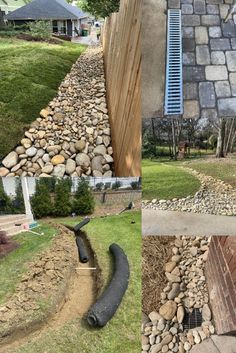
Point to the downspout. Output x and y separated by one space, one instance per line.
26 197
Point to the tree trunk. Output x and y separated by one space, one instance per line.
221 139
174 140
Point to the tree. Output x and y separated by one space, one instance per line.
99 8
62 204
84 202
18 203
5 201
41 201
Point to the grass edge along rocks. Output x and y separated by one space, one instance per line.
72 136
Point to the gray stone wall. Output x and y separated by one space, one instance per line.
209 58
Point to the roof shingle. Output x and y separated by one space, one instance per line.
47 10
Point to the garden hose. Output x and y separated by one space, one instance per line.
105 307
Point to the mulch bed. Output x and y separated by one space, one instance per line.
156 251
28 37
6 245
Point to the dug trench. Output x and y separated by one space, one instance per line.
71 294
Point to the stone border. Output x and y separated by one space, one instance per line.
214 197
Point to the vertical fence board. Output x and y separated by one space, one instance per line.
122 59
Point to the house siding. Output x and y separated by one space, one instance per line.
221 281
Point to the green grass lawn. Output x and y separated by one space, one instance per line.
14 265
30 73
122 333
166 181
225 171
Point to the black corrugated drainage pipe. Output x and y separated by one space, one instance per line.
83 255
81 224
105 307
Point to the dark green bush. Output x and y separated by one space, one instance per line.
41 201
84 202
116 185
99 186
18 202
40 29
5 201
62 205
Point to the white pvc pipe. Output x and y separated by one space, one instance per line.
26 197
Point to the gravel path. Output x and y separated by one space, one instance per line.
214 197
72 135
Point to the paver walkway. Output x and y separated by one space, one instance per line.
216 344
209 58
158 222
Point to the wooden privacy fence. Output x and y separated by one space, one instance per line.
122 58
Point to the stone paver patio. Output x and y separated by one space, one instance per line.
216 344
209 58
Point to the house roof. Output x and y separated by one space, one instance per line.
47 10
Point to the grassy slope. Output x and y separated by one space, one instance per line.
30 74
163 181
14 265
122 333
225 171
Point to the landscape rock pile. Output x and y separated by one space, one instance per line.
41 288
72 136
214 197
186 290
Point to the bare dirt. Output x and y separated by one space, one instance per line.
156 251
81 293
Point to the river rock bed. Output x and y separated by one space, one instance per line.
214 197
163 330
42 287
72 135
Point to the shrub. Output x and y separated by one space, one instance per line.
135 185
5 201
99 186
107 186
3 237
84 202
62 205
41 200
18 202
116 185
40 29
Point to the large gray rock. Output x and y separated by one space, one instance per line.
168 310
59 170
10 160
83 160
31 152
97 163
174 291
70 166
